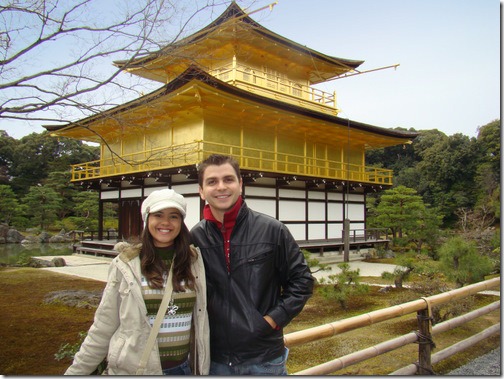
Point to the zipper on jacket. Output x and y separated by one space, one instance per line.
257 257
227 248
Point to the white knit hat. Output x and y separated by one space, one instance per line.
162 199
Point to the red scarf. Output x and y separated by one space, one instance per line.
225 227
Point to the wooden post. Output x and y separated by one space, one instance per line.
346 239
425 342
100 217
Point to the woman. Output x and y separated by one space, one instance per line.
135 287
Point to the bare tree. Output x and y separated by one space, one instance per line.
56 55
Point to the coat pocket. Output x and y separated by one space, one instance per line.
115 349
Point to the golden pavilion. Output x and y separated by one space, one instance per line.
237 88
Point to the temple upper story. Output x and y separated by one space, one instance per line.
237 50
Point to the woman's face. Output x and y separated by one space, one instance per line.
164 226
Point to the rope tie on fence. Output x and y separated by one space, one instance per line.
429 312
422 338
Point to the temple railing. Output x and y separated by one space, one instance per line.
290 165
276 85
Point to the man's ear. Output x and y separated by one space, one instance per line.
201 193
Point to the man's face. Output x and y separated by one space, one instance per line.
221 188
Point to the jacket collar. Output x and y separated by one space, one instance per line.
127 251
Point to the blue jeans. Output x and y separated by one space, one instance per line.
182 369
274 367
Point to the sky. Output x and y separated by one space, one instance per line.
448 53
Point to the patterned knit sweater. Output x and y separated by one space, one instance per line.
174 334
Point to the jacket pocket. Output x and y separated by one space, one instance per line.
263 255
115 349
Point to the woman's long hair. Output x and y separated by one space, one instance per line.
153 266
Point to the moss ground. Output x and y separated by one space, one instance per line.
31 332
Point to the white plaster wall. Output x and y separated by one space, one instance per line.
316 211
297 231
184 189
265 206
258 191
334 196
335 212
129 193
148 191
356 212
316 231
289 210
193 213
355 197
335 230
192 197
297 194
109 195
316 195
292 210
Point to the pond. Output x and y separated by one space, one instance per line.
11 252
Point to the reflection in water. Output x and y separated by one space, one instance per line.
10 252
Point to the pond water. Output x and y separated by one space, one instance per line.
11 252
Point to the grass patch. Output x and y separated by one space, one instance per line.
33 332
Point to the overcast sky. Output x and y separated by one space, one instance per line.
448 53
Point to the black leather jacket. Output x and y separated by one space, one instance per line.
268 275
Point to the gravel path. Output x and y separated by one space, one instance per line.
488 364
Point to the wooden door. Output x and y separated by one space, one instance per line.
130 220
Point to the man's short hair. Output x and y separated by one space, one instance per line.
217 160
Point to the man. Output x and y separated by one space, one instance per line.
257 277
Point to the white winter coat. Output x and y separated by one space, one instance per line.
121 328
